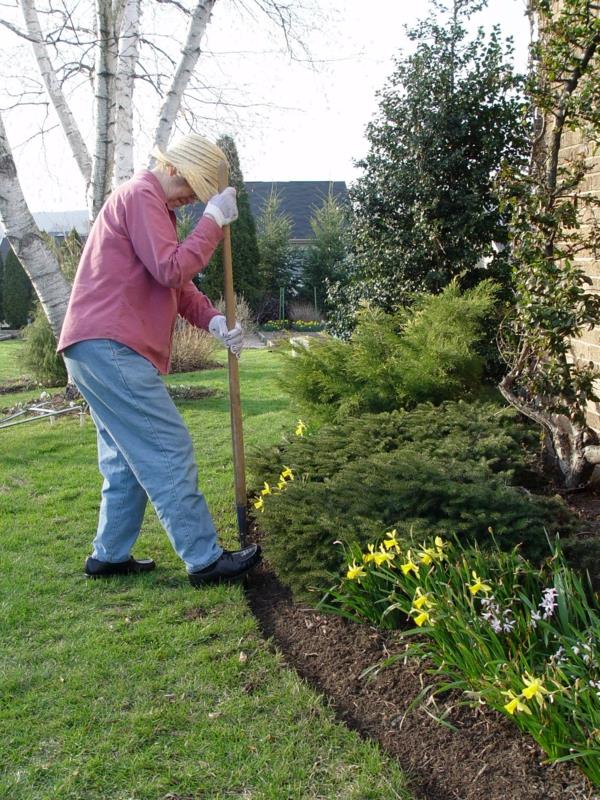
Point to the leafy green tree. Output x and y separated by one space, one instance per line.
553 221
67 252
244 245
274 229
425 208
17 292
326 256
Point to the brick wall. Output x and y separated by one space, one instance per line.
587 347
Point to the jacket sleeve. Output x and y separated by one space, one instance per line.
195 306
154 239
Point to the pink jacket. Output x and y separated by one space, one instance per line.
134 277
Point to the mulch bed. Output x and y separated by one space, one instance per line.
483 756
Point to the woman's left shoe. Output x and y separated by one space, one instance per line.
104 569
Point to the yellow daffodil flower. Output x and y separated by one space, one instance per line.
287 473
440 546
300 428
534 690
383 557
478 586
355 571
370 556
427 555
409 565
422 599
391 541
422 618
259 505
281 484
266 489
514 704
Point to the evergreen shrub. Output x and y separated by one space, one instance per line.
39 352
452 469
425 353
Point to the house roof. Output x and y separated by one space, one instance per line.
298 199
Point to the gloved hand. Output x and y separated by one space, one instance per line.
233 339
223 207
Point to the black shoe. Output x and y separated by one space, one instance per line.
104 569
232 564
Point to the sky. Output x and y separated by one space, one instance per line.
293 120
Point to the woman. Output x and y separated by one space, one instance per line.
133 279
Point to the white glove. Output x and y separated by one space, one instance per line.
223 207
233 339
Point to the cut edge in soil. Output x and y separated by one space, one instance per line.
475 753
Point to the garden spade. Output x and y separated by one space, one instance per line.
235 405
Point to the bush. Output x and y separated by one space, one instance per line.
243 313
39 352
427 471
192 348
304 312
426 353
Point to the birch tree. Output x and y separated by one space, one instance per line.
113 39
27 242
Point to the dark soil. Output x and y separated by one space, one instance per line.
478 754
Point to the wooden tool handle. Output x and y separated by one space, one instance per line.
235 403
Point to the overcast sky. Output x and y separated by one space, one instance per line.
302 122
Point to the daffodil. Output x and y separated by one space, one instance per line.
266 489
478 586
370 556
259 505
427 555
355 571
422 618
534 689
440 547
409 565
422 599
281 484
287 473
300 428
383 557
514 704
391 542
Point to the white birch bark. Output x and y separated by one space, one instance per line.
128 55
108 22
55 93
189 57
26 240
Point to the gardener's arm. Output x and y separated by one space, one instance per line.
195 306
154 240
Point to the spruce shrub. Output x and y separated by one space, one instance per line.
451 469
40 355
425 353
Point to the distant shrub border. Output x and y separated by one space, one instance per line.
292 325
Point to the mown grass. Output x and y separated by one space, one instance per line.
142 688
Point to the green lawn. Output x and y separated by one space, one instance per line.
10 364
143 688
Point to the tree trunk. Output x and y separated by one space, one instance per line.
189 57
108 21
55 93
26 240
128 55
566 441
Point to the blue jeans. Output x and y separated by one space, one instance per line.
144 451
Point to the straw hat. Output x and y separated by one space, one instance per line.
197 160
